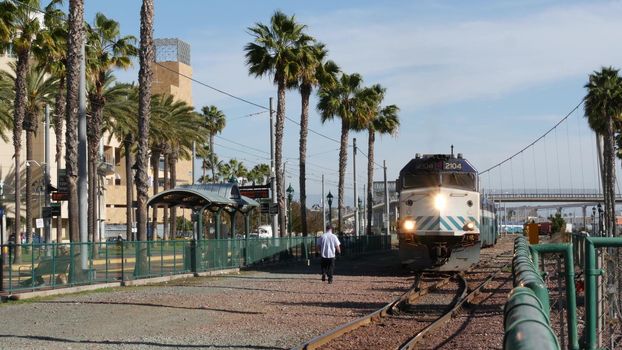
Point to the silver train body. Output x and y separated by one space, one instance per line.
440 214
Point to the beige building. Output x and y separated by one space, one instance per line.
173 54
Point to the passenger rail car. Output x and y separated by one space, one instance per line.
441 222
489 227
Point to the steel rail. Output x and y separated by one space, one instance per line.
410 344
410 295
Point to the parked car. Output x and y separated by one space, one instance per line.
118 239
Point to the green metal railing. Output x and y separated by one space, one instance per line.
45 266
592 271
526 313
566 250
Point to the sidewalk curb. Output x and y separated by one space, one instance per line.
128 283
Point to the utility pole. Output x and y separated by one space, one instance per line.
82 166
387 205
323 207
46 175
356 211
272 174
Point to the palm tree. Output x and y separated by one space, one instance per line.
312 71
120 120
175 127
203 153
74 57
185 122
40 90
20 27
214 122
382 120
259 174
340 100
53 57
6 100
106 50
274 52
145 77
603 109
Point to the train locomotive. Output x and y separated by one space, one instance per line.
442 223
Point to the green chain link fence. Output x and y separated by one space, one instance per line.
50 266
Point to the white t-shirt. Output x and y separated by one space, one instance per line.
328 243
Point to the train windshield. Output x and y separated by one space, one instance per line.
421 180
460 180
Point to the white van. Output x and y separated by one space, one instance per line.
263 231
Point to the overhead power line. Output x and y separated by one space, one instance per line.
535 141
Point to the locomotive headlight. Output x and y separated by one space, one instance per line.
440 201
408 225
469 226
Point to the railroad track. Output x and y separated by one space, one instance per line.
466 298
406 306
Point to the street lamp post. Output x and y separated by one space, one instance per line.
593 221
329 197
600 220
361 221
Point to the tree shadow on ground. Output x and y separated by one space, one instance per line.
148 305
130 342
384 264
337 304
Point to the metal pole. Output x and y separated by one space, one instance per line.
82 167
387 205
273 172
356 212
194 158
363 210
571 301
46 169
323 206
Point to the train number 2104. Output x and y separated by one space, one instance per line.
453 166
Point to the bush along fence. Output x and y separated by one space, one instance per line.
50 266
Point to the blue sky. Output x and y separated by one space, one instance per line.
487 77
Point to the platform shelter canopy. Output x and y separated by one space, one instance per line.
213 196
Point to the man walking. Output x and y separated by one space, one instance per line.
328 245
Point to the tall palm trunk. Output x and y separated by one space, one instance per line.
92 195
343 160
370 175
278 153
129 193
93 130
18 120
30 133
611 179
173 182
305 92
74 56
145 78
59 114
165 213
155 168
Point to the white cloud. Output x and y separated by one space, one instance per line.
426 64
